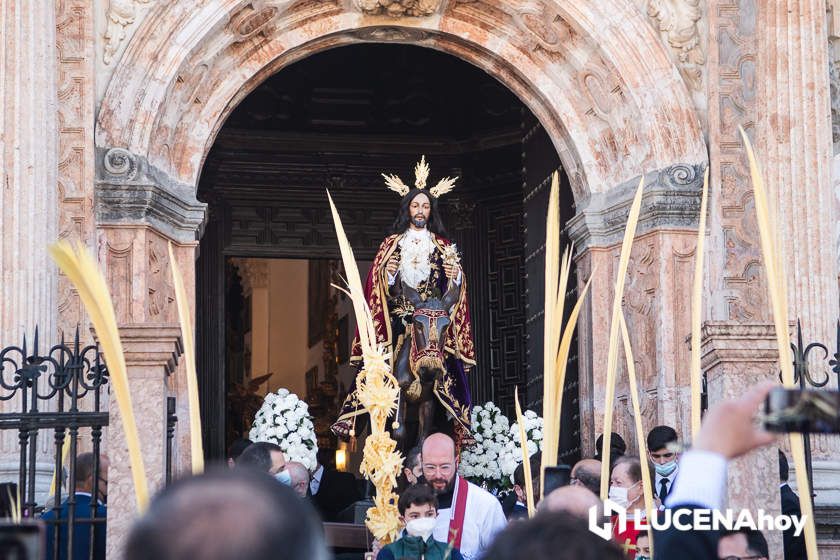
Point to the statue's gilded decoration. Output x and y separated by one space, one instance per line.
679 22
398 8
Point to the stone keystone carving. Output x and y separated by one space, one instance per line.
398 8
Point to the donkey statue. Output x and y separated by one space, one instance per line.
420 365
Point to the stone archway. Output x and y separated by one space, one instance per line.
596 75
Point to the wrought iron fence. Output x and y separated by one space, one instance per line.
61 390
64 390
805 378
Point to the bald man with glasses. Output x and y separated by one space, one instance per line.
468 515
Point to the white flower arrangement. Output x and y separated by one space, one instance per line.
284 419
512 454
480 462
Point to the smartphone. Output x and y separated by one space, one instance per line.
802 410
555 477
22 541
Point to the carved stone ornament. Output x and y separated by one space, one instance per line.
671 200
678 21
253 19
391 34
543 25
398 8
120 14
118 161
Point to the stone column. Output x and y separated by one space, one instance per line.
794 142
150 352
139 212
28 190
795 145
656 299
734 358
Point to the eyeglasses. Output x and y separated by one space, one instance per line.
445 469
668 455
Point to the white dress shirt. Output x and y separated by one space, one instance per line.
482 520
315 483
670 484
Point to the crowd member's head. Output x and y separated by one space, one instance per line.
587 473
519 486
266 457
663 460
551 536
574 500
412 469
418 510
784 469
87 480
743 543
626 482
238 514
643 546
325 458
617 447
439 462
299 478
235 450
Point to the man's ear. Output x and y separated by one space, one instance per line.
402 519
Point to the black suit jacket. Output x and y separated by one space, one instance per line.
794 546
686 545
336 491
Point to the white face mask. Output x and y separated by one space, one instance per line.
620 496
422 527
665 469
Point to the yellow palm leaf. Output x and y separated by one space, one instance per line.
82 271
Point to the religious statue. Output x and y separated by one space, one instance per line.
417 294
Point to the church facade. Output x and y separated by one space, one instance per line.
111 107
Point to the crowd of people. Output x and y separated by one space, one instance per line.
264 503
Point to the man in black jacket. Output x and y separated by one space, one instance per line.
794 545
332 491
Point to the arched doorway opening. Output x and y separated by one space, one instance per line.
338 119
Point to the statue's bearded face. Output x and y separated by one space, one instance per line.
419 211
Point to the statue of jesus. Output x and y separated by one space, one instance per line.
417 257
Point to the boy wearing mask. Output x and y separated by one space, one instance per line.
663 460
418 512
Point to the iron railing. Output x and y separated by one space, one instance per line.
60 390
803 376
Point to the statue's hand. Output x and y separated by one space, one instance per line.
451 271
393 264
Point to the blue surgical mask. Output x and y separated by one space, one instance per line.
665 469
284 477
